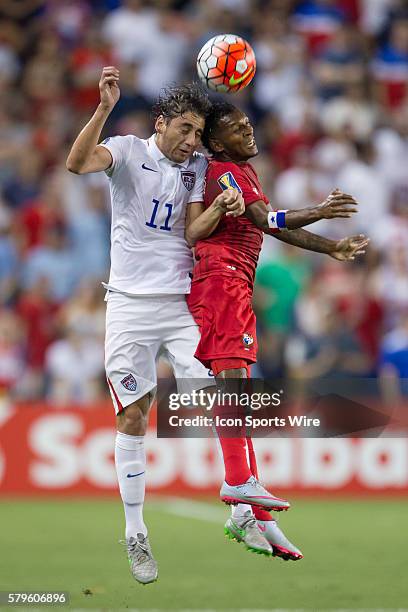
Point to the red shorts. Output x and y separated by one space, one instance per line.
222 308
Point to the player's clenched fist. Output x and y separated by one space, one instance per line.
230 202
109 87
338 204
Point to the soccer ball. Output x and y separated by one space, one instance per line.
226 63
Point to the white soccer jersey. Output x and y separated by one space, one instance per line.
150 194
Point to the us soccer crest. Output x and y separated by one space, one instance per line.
188 179
247 339
129 382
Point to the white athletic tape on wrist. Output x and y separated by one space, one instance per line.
277 219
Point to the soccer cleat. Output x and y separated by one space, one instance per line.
280 544
246 530
142 563
253 493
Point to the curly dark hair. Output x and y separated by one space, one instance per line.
218 112
175 100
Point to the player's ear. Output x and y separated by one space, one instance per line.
160 124
216 146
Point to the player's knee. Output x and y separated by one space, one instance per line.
133 419
233 373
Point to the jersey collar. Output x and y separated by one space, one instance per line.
158 155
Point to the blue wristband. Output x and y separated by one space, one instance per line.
281 219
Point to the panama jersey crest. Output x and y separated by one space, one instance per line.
227 181
247 339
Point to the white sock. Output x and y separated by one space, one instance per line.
239 510
130 461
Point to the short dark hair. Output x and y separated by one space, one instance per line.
218 112
175 100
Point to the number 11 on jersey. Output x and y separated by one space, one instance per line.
152 223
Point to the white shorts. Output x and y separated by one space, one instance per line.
137 329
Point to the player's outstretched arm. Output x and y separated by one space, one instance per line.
200 222
85 155
345 249
336 205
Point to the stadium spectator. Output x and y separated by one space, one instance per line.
9 64
353 114
35 216
302 182
38 314
336 352
317 21
8 258
394 360
339 65
86 62
390 67
278 56
44 73
279 282
69 18
11 350
120 25
74 368
25 184
359 176
85 313
52 260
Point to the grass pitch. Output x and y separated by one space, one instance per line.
356 556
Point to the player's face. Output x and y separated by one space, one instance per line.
179 137
235 137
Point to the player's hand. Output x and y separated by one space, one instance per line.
109 87
230 202
347 249
235 205
337 205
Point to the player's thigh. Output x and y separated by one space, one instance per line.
223 308
179 347
131 346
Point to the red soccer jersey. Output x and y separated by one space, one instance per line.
235 244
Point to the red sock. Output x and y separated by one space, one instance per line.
252 458
233 444
235 461
259 513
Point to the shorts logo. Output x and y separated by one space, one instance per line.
247 339
227 181
188 179
129 382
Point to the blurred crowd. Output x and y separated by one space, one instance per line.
330 107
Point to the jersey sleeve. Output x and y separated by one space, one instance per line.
120 148
197 193
233 177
